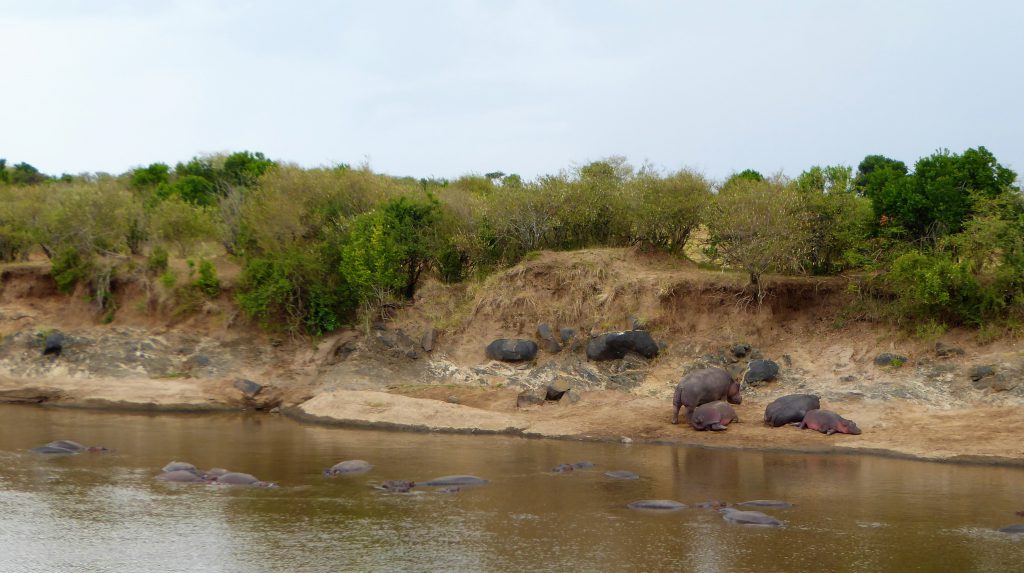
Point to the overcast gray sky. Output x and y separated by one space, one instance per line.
445 88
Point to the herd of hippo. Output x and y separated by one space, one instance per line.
707 393
782 411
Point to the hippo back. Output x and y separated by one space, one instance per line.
703 386
789 409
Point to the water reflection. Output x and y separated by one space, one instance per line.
106 513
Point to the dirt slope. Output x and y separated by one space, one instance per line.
380 375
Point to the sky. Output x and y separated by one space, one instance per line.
447 88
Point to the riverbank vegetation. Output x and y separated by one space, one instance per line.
937 245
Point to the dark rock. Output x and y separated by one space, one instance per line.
999 382
53 344
453 399
397 343
248 387
345 349
615 345
557 389
760 371
741 350
890 359
787 360
571 396
427 341
512 350
200 360
981 371
547 338
944 350
566 334
531 397
848 378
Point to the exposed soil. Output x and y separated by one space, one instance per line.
153 357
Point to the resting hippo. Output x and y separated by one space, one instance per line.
748 517
789 409
703 386
68 447
713 416
828 422
348 467
455 480
660 504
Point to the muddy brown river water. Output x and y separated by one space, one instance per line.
106 513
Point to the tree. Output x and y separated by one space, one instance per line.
195 190
838 220
4 176
25 174
244 168
664 211
151 176
940 195
758 226
875 171
745 175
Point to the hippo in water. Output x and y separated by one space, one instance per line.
455 480
239 478
180 466
69 447
659 504
703 386
566 468
789 409
348 467
396 485
181 476
828 422
713 416
1017 528
777 503
748 517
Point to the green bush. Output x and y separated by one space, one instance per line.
207 282
156 263
69 268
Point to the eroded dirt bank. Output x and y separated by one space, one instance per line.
935 406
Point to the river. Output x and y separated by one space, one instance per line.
106 513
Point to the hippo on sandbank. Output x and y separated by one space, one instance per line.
790 409
68 447
1017 528
714 416
749 517
703 386
348 467
658 504
828 422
